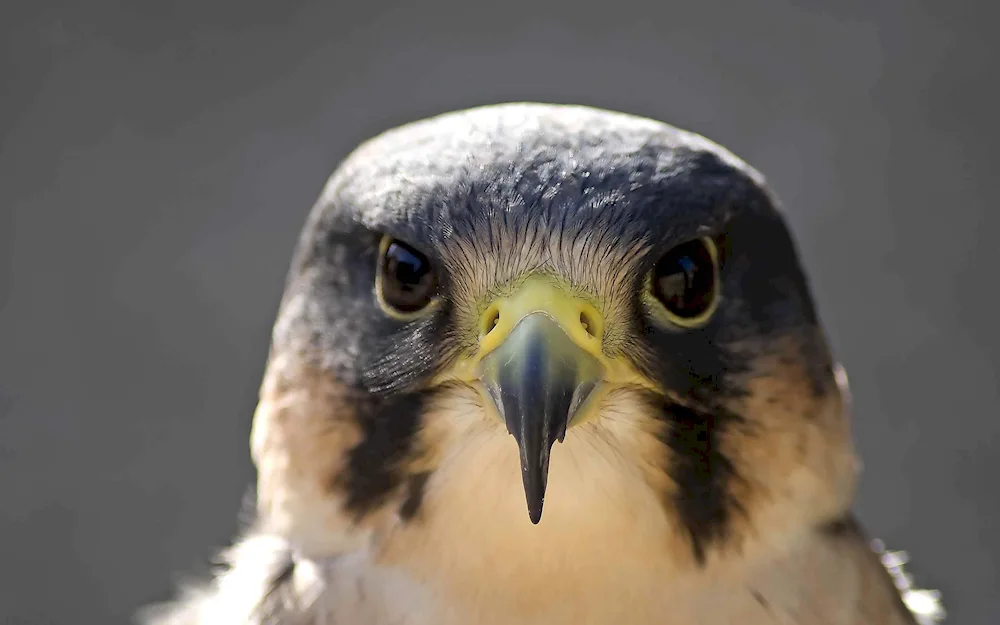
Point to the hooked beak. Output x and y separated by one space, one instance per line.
540 368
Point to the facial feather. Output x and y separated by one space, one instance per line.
595 217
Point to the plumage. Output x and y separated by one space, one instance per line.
705 474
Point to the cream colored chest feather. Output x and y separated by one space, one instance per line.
603 553
826 591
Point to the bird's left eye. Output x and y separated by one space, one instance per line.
405 283
685 281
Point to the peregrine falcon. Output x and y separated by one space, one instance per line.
550 365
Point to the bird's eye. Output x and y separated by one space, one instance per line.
405 283
685 281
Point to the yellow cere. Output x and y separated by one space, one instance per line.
574 314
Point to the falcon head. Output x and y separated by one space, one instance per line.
560 298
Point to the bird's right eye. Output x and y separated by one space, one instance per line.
405 283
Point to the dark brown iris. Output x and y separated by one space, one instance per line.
407 280
684 281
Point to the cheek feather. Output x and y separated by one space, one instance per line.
768 454
793 447
333 464
702 473
450 412
375 465
303 428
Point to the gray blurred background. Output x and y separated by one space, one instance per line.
157 160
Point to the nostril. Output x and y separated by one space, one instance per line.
492 318
588 324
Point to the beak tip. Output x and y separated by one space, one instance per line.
534 490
